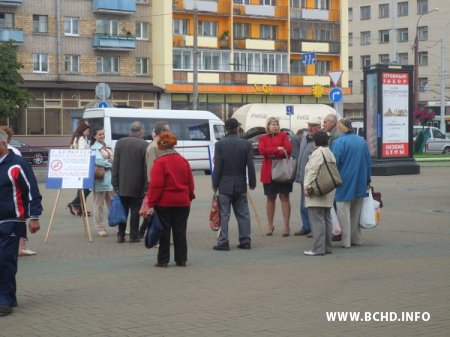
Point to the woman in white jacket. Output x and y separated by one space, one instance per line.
319 207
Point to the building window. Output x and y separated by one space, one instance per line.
107 27
365 38
268 32
6 20
323 4
242 2
323 68
403 8
71 25
260 62
384 36
402 58
365 61
297 67
241 30
402 35
207 28
323 34
296 3
422 6
214 60
268 2
423 58
350 84
142 1
142 30
422 33
365 13
383 11
423 83
350 14
40 63
350 39
383 58
182 59
107 65
141 66
72 64
299 33
40 24
350 62
180 27
361 87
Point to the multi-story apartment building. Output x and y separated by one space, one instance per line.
384 32
248 51
67 47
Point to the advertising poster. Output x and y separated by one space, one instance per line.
395 86
372 114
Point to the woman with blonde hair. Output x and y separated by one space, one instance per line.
272 146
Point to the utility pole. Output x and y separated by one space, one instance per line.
442 124
195 61
393 58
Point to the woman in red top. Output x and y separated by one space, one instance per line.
272 146
170 193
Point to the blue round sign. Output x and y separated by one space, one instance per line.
336 95
102 104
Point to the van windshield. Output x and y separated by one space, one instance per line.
184 129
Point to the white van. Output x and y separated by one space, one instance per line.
195 130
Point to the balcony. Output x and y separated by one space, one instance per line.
257 44
16 35
260 10
202 6
303 46
14 3
315 14
124 7
108 42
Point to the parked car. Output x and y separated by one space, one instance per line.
437 141
33 154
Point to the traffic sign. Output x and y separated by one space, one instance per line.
103 91
289 110
102 104
335 76
335 95
308 58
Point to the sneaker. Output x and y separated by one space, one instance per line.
311 253
222 247
244 246
102 234
27 252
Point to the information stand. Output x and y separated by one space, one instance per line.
71 169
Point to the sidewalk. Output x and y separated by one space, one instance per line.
76 288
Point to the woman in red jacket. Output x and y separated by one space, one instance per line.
273 146
170 193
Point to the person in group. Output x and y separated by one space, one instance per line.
306 148
296 140
330 126
319 206
19 200
170 193
150 155
129 178
233 158
355 165
272 146
23 243
103 190
80 141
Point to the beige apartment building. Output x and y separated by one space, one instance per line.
383 31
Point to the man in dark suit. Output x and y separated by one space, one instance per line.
129 177
233 158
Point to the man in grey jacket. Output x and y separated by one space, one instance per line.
129 177
233 157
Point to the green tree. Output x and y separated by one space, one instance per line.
12 96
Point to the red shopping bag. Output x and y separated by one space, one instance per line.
214 213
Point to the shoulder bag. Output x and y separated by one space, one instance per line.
283 170
328 178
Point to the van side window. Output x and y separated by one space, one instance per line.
438 134
219 132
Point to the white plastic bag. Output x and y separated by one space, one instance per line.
335 222
367 219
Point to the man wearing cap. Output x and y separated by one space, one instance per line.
233 158
306 148
355 165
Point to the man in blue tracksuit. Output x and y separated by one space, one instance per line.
19 200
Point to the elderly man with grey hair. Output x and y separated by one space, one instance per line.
329 125
129 177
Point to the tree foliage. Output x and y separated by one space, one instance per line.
12 97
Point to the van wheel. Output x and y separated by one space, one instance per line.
446 150
208 172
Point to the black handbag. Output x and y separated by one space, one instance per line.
328 178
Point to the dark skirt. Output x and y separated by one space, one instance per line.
275 188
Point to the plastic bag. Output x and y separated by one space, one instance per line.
367 219
117 213
214 213
154 231
335 222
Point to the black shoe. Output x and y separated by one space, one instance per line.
181 263
337 237
134 240
161 264
244 246
302 232
222 247
120 238
5 310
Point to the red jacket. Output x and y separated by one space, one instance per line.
171 182
268 148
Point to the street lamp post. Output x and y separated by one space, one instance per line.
416 60
195 60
